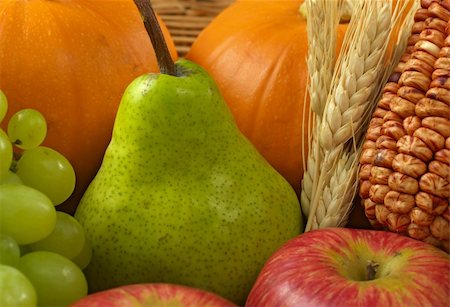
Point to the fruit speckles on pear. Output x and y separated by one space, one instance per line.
182 196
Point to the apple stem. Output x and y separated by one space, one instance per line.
165 62
372 268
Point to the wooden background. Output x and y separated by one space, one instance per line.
186 18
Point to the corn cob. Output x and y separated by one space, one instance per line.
405 162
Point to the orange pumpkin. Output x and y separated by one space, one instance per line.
72 60
256 52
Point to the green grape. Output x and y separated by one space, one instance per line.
6 154
9 251
27 128
15 288
48 171
84 257
11 177
57 280
26 214
3 105
66 239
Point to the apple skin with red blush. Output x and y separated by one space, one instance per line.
153 294
353 267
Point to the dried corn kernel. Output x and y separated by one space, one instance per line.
405 161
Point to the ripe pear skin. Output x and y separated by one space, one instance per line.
182 196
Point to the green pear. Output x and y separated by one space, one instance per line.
181 195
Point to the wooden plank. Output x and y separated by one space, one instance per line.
185 19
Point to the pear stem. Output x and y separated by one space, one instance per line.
165 62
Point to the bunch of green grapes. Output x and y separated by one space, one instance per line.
42 251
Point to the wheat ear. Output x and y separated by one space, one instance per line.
324 15
343 184
356 84
340 190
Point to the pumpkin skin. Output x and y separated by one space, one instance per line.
256 52
72 60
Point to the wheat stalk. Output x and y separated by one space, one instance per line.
324 15
332 210
358 75
356 85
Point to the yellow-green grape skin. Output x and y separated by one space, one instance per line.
6 154
27 128
26 214
84 257
3 105
66 239
9 251
57 280
16 290
11 178
48 171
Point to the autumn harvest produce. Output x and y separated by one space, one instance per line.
376 36
405 164
255 51
182 196
153 295
264 55
42 251
353 267
71 61
132 177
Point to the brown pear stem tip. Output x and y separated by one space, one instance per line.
165 62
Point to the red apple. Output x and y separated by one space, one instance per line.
152 295
353 267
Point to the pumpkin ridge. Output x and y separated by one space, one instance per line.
79 110
273 77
